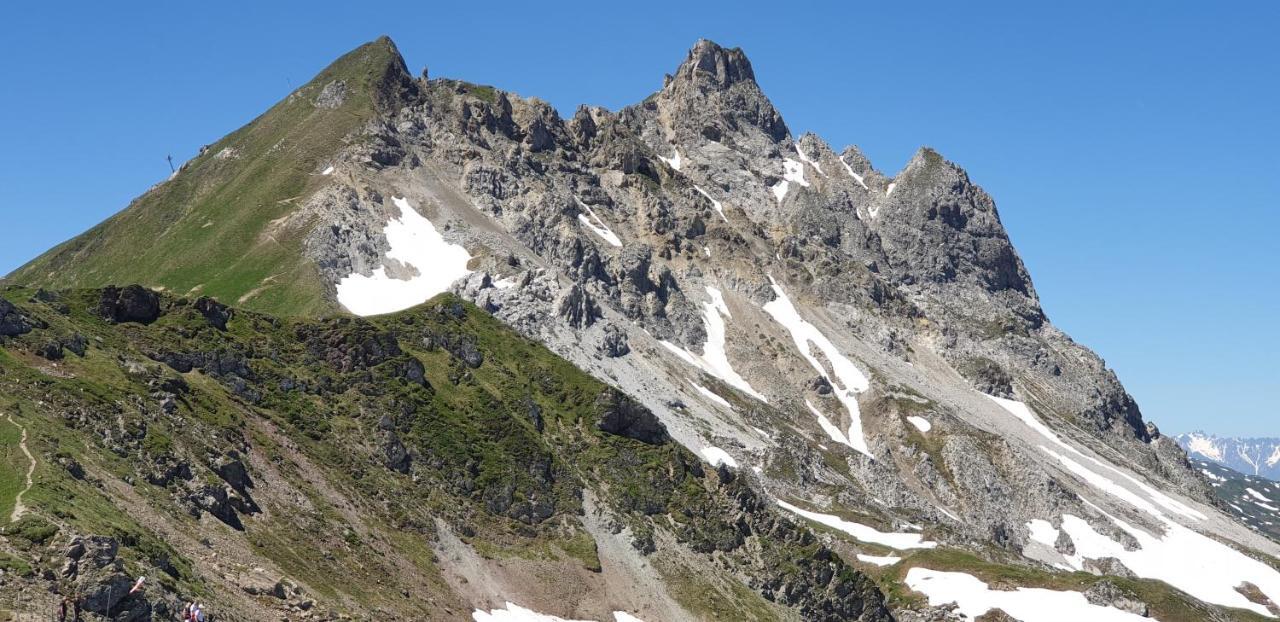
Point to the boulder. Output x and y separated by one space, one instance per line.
13 322
1107 594
133 303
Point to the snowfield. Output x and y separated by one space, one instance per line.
714 360
847 381
973 598
896 541
1196 564
416 243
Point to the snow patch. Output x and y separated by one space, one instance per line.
973 598
1257 495
714 203
921 423
596 225
846 379
327 171
792 172
717 457
889 191
897 541
879 560
674 161
416 243
515 613
714 360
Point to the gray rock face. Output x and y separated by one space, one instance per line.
624 417
332 95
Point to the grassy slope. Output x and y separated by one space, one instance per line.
204 228
364 535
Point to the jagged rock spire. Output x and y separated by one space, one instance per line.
714 65
714 92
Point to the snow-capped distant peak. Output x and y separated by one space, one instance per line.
1204 446
1252 456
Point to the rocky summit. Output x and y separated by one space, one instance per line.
416 348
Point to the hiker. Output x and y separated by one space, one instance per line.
199 613
186 611
75 610
63 609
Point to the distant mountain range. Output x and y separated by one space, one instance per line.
1254 500
1251 456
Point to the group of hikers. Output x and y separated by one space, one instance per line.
69 611
192 612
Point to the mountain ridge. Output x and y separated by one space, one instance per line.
863 352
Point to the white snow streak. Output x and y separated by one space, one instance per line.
714 360
828 427
898 541
674 161
1024 414
1257 495
596 225
717 456
327 171
714 203
807 160
711 395
846 379
921 423
973 598
856 177
889 191
415 242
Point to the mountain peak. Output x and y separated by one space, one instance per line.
376 67
710 63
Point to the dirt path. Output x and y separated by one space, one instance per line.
18 508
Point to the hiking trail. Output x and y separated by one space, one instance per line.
18 508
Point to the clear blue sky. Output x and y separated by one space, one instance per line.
1131 146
